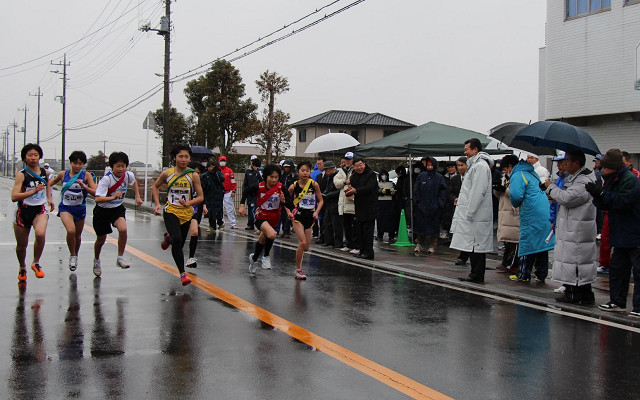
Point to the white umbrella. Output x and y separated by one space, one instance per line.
331 141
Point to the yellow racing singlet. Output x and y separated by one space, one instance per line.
181 189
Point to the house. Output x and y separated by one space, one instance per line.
364 127
589 70
139 167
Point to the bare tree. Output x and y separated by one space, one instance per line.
269 85
281 136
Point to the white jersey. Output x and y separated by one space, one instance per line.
109 180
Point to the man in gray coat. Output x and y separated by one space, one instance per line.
472 225
575 255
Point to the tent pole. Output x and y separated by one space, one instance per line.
411 196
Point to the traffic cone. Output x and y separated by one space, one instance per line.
403 237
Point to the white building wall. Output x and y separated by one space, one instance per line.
590 62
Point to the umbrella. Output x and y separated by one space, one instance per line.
506 133
559 135
330 142
201 152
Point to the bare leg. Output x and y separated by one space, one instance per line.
97 246
121 226
79 229
40 229
70 226
22 240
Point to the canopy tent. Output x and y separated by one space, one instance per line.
430 139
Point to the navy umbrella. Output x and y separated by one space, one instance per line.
559 135
506 133
200 152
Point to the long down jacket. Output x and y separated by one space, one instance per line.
508 217
429 196
472 225
575 255
526 194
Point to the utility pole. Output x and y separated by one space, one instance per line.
5 150
39 95
24 127
14 125
164 30
63 100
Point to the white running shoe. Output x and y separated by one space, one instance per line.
252 264
266 262
431 250
418 248
355 251
120 262
345 249
73 263
561 289
97 271
192 262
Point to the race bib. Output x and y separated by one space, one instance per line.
175 195
72 198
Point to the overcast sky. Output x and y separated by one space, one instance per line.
465 63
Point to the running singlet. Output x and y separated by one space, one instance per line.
270 209
29 185
308 202
75 195
180 190
109 180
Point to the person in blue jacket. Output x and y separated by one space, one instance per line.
535 227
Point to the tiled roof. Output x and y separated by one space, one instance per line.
354 118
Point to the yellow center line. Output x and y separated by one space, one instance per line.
379 372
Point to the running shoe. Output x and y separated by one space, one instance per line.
602 270
166 241
97 270
345 249
234 227
73 263
635 312
355 251
120 262
192 262
515 278
611 306
38 270
252 264
22 275
418 248
185 279
431 250
266 262
300 275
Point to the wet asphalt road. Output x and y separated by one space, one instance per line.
138 333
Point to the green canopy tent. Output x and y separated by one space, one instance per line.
430 139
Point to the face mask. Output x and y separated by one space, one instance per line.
417 170
384 177
223 163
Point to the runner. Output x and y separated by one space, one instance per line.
72 210
109 210
32 192
269 203
307 200
178 210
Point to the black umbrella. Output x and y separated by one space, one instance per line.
200 152
506 133
559 135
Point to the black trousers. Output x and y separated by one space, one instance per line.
178 234
365 236
478 265
327 226
337 223
350 234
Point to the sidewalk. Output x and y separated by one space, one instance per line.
441 268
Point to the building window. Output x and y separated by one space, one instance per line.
582 7
302 135
354 134
388 133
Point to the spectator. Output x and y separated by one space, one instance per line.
363 186
346 205
332 226
213 189
561 160
452 195
574 262
541 171
473 218
620 196
252 178
447 213
50 172
317 175
534 223
230 188
287 178
429 194
387 214
628 163
508 217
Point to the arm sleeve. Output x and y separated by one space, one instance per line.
481 187
517 188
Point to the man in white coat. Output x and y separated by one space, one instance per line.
472 225
542 172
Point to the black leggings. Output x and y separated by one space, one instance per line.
178 235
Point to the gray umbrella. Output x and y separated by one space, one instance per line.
506 133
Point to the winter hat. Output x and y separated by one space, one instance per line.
612 160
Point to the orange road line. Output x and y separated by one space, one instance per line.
379 372
8 187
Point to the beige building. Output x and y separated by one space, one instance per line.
364 127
